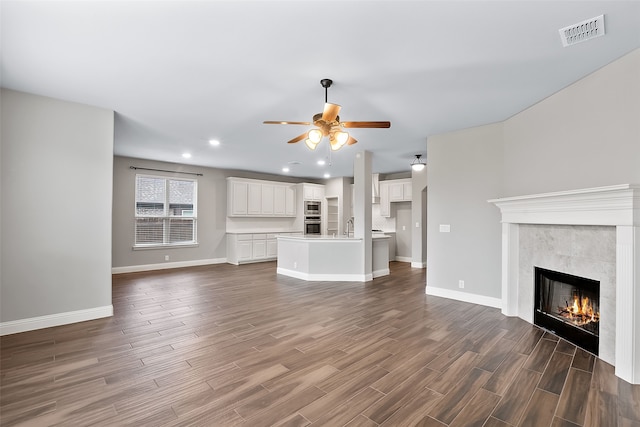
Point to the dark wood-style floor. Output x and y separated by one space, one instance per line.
227 345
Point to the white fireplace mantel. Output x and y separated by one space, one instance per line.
617 205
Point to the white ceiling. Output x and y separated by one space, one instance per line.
178 73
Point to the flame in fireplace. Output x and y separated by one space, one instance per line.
580 312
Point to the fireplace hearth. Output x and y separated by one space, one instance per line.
568 306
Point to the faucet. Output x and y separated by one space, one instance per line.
350 226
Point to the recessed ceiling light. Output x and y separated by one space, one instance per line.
214 142
321 162
285 169
327 175
186 155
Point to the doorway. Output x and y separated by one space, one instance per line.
403 231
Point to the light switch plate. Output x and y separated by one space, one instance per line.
445 228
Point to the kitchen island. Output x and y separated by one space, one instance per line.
331 258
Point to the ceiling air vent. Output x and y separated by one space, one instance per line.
582 31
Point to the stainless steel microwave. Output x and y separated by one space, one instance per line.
312 208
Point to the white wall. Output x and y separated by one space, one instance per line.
56 212
404 231
587 135
465 169
212 213
419 216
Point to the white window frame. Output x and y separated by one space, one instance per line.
166 217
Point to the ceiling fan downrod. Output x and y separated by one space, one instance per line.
326 84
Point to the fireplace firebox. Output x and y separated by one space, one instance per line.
568 306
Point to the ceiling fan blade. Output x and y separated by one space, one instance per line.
273 122
351 140
298 138
377 125
330 112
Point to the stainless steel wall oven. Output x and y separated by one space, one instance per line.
312 225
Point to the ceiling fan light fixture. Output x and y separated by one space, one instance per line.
417 164
310 144
315 136
328 124
342 137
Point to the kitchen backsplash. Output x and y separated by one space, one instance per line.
381 223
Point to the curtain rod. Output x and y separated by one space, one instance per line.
162 170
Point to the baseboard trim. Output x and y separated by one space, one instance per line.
381 272
403 258
325 277
50 320
418 264
166 265
465 297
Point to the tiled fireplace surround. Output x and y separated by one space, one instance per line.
593 233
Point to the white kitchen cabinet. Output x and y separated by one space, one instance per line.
251 247
245 251
399 190
395 192
272 246
258 198
254 199
239 248
267 199
385 206
406 191
237 198
259 246
290 201
279 200
313 191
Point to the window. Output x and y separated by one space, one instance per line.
166 211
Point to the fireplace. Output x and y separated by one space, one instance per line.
568 306
589 232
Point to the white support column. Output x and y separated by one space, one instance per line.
362 208
510 267
627 303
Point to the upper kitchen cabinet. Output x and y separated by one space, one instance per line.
399 190
393 190
313 191
385 206
237 198
258 198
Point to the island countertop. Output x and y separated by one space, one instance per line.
328 258
328 237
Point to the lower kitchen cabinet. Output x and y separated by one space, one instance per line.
251 247
272 246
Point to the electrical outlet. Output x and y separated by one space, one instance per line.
166 257
404 227
461 284
417 225
295 265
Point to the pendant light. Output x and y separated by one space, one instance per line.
417 164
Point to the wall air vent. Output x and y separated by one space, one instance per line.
582 31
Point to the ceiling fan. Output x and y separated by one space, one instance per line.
328 124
